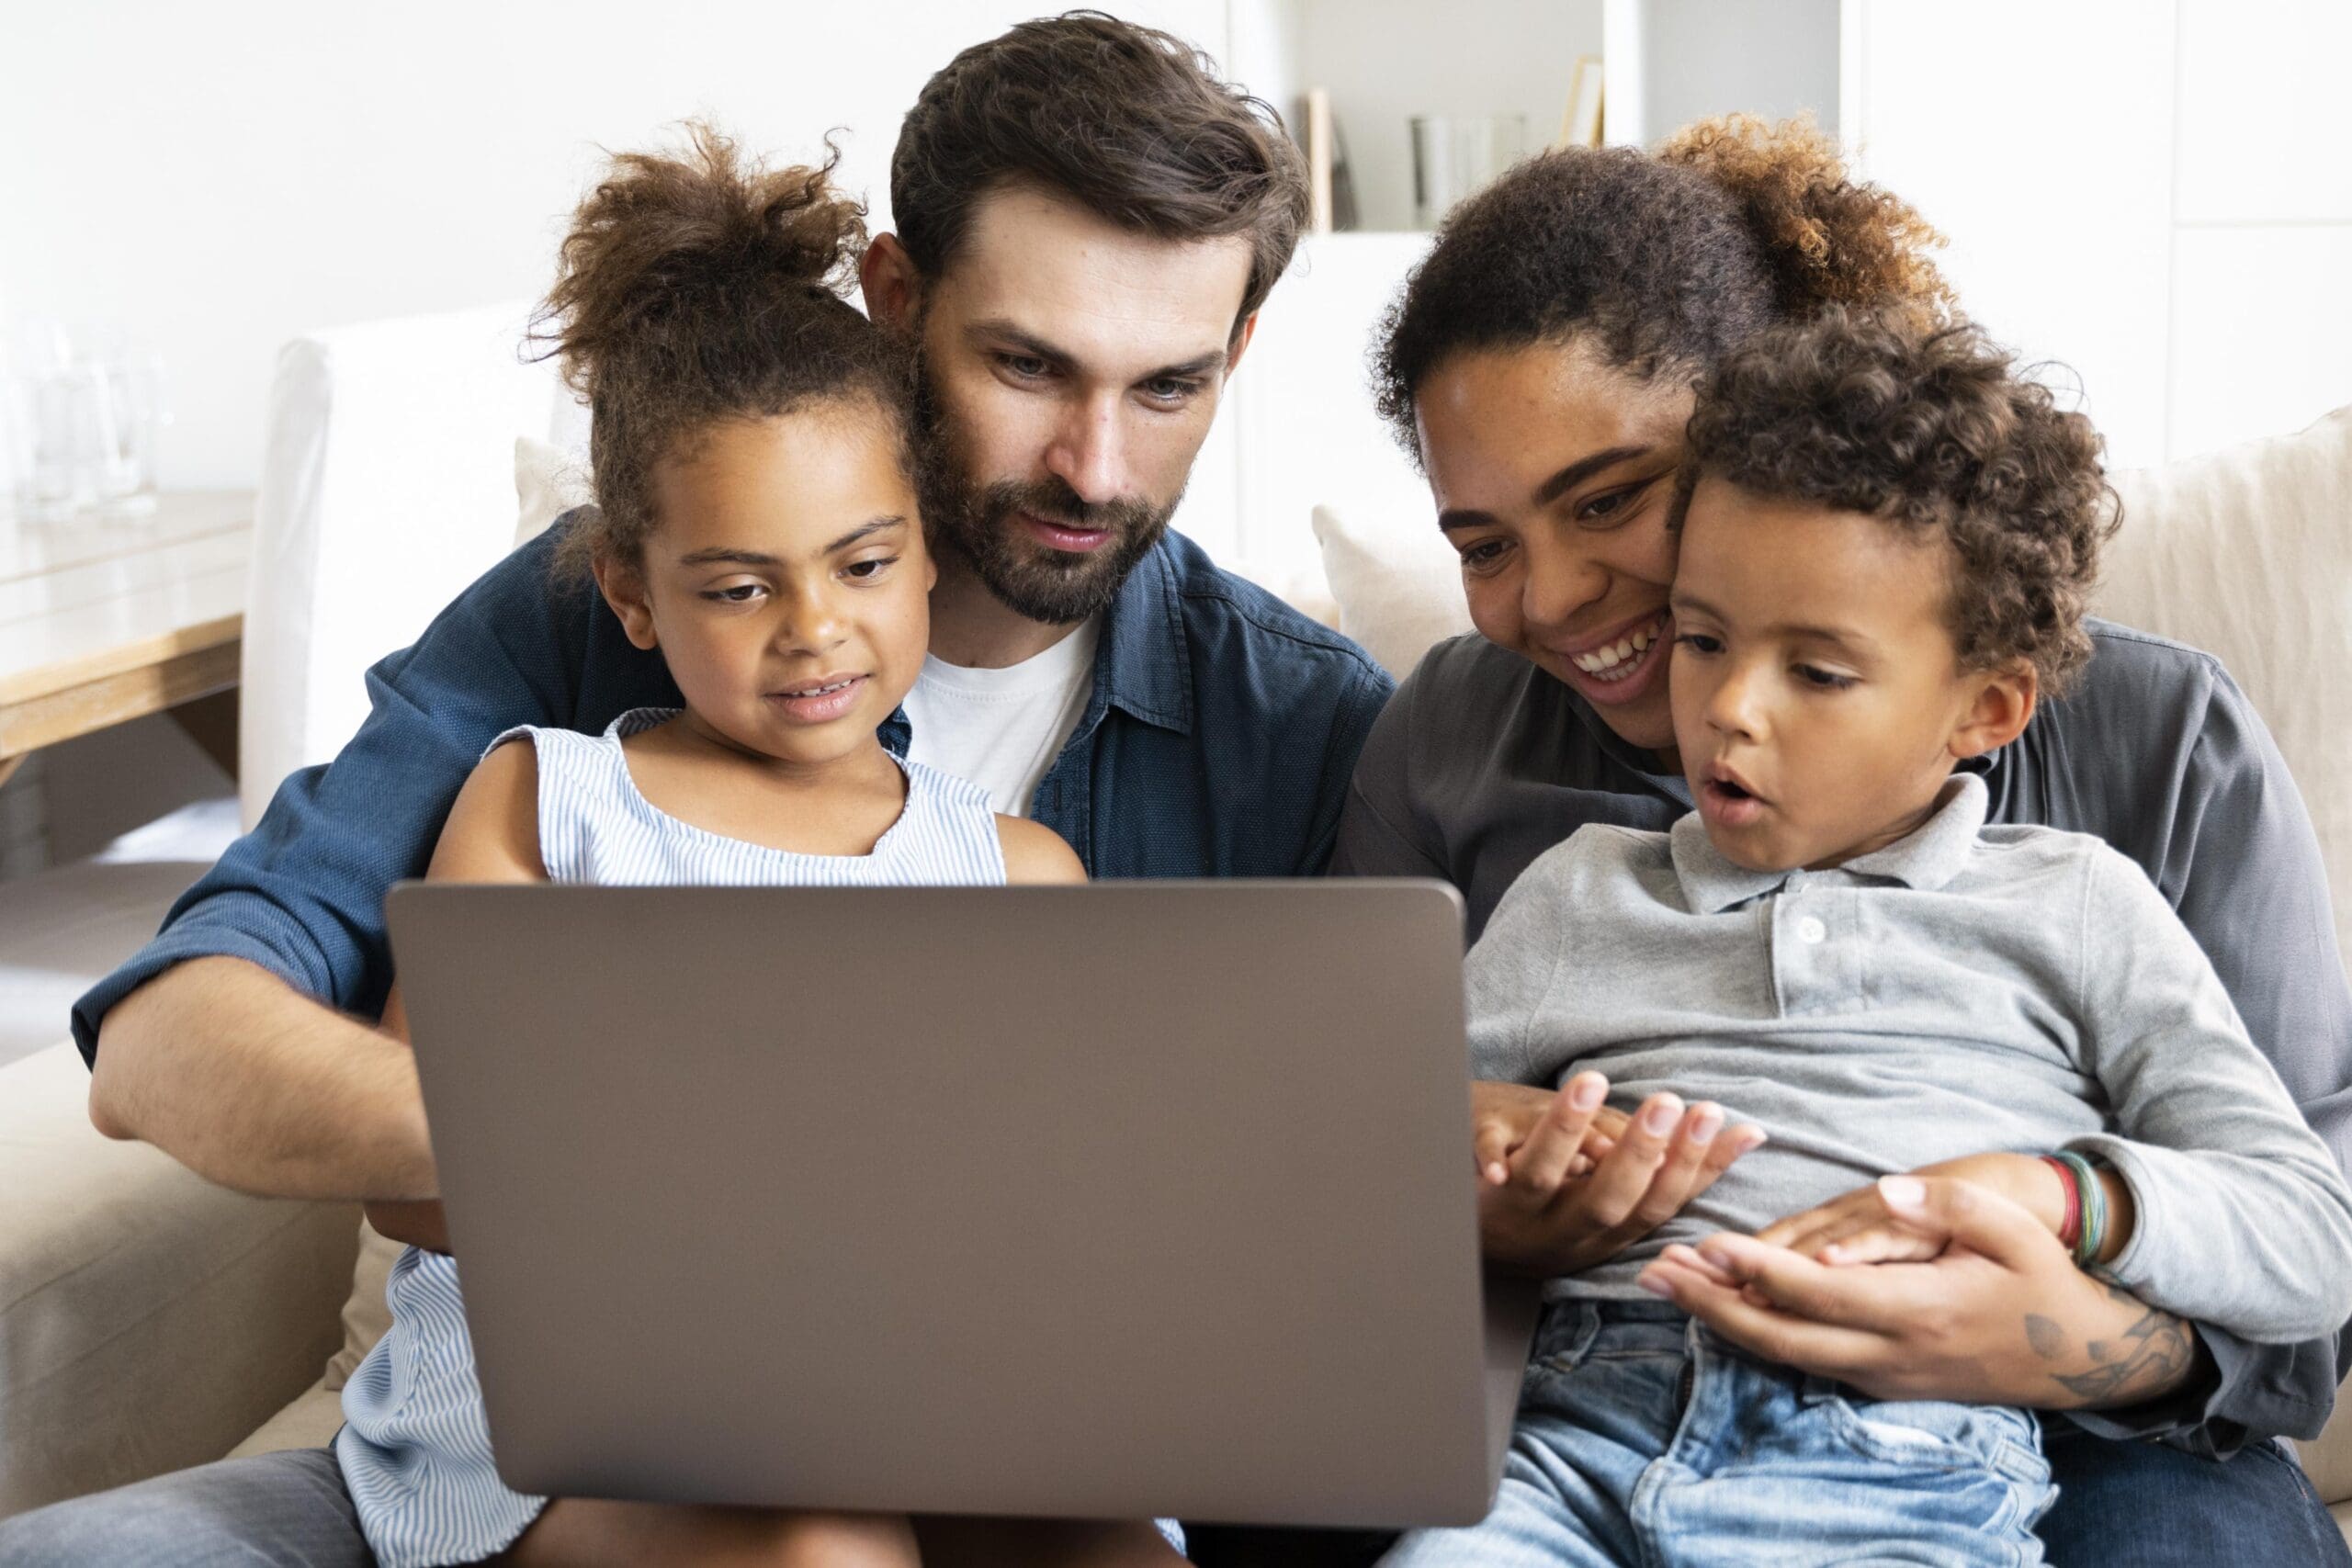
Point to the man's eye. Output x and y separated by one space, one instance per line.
1026 366
1171 388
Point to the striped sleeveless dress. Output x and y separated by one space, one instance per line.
414 1447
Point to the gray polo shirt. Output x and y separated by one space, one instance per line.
1482 762
1963 989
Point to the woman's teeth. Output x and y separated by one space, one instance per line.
1616 662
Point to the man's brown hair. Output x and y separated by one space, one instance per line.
1130 123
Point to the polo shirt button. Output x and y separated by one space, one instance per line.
1810 930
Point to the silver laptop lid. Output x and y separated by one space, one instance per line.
1134 1199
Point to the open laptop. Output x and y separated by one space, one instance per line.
1138 1199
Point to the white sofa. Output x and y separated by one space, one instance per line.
149 1321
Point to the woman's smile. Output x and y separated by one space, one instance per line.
1621 664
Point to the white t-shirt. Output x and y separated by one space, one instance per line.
1002 728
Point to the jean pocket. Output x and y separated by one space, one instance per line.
1564 1337
1942 1433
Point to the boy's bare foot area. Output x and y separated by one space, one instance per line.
588 1532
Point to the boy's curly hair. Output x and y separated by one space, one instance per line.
1930 428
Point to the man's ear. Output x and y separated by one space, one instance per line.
624 588
2004 705
892 285
1241 336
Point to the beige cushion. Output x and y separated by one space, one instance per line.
309 1421
148 1318
2247 553
2327 1459
1398 583
548 482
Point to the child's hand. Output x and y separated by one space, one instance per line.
1502 1115
1860 1227
1535 1217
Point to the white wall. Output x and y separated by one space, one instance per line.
2151 192
222 177
1781 59
1386 61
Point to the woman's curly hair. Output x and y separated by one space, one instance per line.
1932 429
1662 262
698 287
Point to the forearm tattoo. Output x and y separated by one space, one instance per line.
2149 1358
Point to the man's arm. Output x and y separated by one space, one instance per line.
222 1044
251 1083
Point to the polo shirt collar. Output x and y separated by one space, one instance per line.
1144 665
1926 858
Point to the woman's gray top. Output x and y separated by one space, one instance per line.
1481 763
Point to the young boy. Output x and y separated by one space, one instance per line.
1887 541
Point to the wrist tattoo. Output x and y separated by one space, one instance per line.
2148 1359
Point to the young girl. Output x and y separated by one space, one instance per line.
757 523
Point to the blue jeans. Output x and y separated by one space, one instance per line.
1643 1438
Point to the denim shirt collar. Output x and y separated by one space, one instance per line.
1142 665
1926 858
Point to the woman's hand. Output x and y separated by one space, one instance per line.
1862 1228
2001 1316
1537 1215
417 1221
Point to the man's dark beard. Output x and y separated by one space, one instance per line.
1033 579
980 524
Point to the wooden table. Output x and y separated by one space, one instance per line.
103 621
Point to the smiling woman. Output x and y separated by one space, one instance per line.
1539 365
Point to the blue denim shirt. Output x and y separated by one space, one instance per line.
1218 741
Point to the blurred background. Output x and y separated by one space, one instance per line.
2148 193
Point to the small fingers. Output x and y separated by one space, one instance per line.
1864 1298
1620 1182
1831 1349
1886 1241
1677 1175
1735 1142
1490 1147
1541 1164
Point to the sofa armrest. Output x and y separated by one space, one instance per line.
149 1320
2327 1459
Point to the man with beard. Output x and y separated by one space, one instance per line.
1089 221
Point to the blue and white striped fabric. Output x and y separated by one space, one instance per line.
415 1445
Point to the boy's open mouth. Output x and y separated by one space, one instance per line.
1724 798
